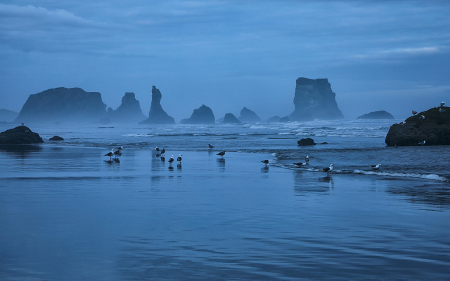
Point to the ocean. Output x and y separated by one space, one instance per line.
67 213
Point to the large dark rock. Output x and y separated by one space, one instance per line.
62 105
201 115
20 135
314 99
7 115
56 138
305 142
434 129
377 115
157 115
129 110
230 118
248 116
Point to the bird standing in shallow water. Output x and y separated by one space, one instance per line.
265 162
222 153
179 158
328 169
171 159
110 154
157 148
375 167
163 151
210 146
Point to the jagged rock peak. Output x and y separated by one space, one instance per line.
201 115
128 111
314 99
157 115
62 105
249 116
230 118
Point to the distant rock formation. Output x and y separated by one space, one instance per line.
274 119
248 116
230 118
284 119
431 126
20 135
377 115
129 110
314 99
201 115
62 105
56 138
306 142
7 115
157 115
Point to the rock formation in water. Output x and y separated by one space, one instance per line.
7 115
306 142
201 115
314 99
20 135
274 119
248 116
157 115
56 138
129 111
377 115
284 119
431 126
62 105
230 118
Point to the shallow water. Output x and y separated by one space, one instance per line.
67 214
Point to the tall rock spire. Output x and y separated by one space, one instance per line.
157 115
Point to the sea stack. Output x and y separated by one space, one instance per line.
230 118
248 116
157 115
377 115
129 110
201 115
62 105
314 99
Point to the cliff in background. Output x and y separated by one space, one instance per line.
7 115
129 110
157 115
314 99
62 105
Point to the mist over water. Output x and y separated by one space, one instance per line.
69 214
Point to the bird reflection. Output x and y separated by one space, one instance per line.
265 169
327 179
179 166
221 163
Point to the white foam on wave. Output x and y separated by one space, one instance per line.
138 135
404 175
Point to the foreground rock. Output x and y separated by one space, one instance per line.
20 135
157 115
314 99
201 115
248 116
230 118
377 115
129 111
305 142
433 128
62 105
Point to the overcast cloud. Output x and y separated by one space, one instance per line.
391 55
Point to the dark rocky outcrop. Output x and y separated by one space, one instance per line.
129 110
20 135
248 116
274 119
230 118
56 138
201 115
157 115
377 115
434 129
62 105
7 115
314 99
305 142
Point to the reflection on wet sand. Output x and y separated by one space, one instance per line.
305 182
21 151
221 163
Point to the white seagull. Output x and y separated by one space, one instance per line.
171 160
414 112
307 159
157 148
179 158
265 162
375 167
422 142
328 169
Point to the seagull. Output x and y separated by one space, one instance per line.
222 153
300 164
210 146
442 104
414 112
307 159
422 142
171 159
157 148
179 158
375 167
328 169
163 151
422 117
265 162
110 154
118 151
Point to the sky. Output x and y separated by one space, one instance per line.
377 55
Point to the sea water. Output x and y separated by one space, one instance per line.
67 213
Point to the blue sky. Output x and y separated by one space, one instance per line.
391 55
